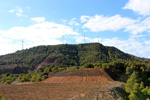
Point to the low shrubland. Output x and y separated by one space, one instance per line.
7 78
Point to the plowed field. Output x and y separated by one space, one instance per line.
60 91
79 75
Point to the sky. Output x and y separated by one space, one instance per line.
124 24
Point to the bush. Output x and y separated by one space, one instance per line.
97 65
2 82
24 78
33 78
1 97
7 78
8 81
105 65
44 77
88 65
21 80
55 69
38 78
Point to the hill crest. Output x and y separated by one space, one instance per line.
63 55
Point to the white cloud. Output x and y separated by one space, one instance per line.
18 11
114 23
73 22
102 23
38 19
6 45
50 41
142 7
40 31
132 46
96 40
139 27
64 21
12 10
84 18
82 39
46 33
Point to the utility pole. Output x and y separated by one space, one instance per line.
22 44
62 39
98 39
84 38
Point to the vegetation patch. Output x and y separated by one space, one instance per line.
7 78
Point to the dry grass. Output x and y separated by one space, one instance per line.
47 91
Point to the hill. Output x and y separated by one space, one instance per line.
64 55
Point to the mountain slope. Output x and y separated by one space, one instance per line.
64 55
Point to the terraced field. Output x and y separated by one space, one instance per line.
80 75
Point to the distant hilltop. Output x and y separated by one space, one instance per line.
64 55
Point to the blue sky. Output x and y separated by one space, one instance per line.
124 24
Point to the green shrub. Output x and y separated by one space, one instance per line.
55 69
24 78
1 97
7 78
44 77
2 82
8 81
98 65
38 78
105 65
88 65
33 78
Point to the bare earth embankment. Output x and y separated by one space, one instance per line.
80 75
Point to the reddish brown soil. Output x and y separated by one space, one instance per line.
79 75
47 61
77 79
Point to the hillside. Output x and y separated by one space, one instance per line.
82 83
64 55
